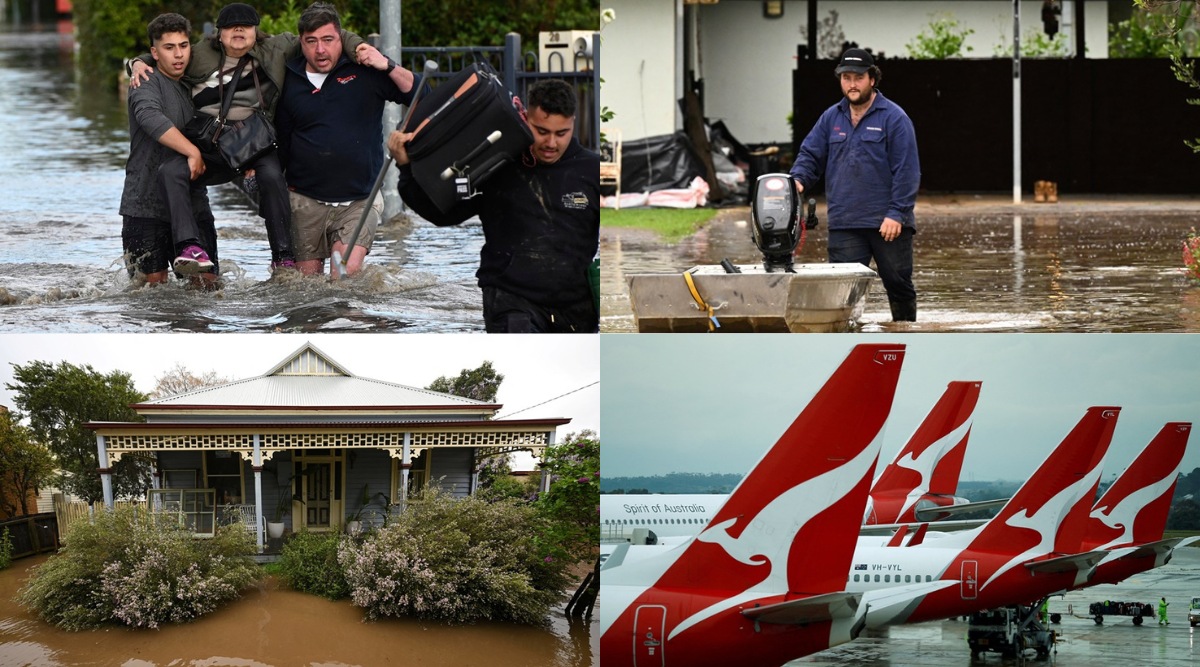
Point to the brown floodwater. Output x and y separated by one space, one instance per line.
271 626
1097 267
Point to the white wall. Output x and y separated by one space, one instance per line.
746 60
639 66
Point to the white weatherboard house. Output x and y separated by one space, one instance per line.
304 440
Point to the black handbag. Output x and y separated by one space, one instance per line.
237 143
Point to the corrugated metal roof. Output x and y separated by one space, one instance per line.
313 391
308 378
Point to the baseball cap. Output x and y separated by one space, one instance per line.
237 13
855 60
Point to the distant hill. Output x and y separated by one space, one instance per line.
676 482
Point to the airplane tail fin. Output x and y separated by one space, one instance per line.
809 488
1134 509
931 460
1053 504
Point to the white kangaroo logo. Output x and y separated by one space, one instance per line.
768 537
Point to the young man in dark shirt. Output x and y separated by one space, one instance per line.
157 111
541 223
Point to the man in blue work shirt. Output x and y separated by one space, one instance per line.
866 149
330 130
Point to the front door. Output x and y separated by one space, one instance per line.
317 494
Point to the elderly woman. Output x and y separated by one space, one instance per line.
213 66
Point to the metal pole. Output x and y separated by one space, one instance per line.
1016 101
596 92
390 44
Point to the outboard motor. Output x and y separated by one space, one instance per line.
775 216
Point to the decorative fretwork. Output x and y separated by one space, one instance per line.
270 443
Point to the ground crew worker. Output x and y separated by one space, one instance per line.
1162 611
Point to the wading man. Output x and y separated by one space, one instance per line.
330 139
157 111
541 223
866 149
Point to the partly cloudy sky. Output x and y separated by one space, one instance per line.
699 403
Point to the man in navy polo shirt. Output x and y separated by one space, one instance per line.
330 131
866 149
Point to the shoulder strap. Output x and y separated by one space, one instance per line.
227 97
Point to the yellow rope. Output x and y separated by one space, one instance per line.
700 303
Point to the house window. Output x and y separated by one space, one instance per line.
194 509
180 479
224 475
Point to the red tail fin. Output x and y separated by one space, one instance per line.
1134 509
1052 505
809 488
932 459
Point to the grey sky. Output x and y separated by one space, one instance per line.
535 368
704 404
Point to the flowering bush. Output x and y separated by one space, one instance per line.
309 563
457 560
123 567
1191 255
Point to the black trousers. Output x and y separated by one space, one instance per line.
273 207
504 312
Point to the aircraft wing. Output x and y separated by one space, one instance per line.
1158 548
1074 563
815 609
885 529
932 513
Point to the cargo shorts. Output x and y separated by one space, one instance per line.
316 225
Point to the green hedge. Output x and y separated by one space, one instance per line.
112 30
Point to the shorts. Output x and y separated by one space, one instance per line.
147 244
316 225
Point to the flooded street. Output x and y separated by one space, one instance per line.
60 251
1092 266
273 626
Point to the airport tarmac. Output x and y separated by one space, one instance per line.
1081 642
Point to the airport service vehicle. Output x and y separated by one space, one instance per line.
1009 631
1098 610
763 584
1194 612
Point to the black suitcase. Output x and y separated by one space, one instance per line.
455 146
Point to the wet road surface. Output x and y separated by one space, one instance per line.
1082 643
1111 265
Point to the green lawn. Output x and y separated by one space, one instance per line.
671 224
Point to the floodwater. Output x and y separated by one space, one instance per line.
64 151
1094 266
272 626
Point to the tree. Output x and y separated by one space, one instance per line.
58 400
573 502
180 380
1185 515
480 384
25 465
1184 40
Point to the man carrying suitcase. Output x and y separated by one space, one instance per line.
541 222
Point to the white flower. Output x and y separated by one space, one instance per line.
607 15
